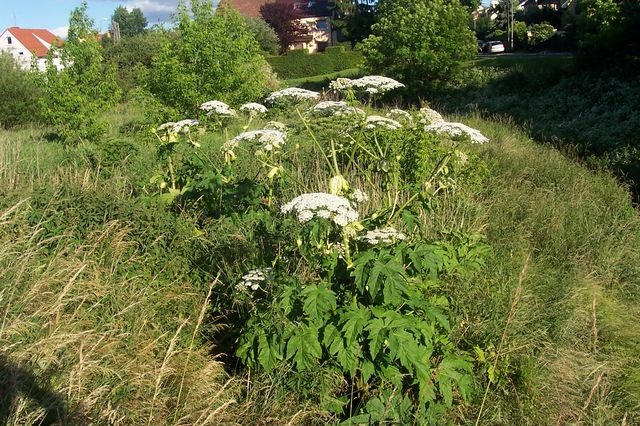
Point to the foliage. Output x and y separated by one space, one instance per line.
264 35
215 57
609 34
133 57
131 23
353 19
419 42
19 94
76 95
541 33
282 17
300 63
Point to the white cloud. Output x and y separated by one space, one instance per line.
156 11
61 31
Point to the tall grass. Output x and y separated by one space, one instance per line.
91 330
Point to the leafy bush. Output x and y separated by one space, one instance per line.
76 96
19 94
264 35
300 63
541 33
418 42
214 57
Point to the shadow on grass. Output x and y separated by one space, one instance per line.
16 381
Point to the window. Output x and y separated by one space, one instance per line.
9 40
20 53
322 25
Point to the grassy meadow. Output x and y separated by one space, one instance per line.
117 307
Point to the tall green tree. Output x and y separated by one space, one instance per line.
77 95
131 23
419 41
214 57
354 18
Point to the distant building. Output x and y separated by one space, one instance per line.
314 14
27 45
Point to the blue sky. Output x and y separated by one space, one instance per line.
54 14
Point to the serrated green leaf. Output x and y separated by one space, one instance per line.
367 369
268 353
376 336
304 347
347 357
319 302
360 419
354 320
375 408
329 335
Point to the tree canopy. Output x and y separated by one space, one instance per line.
282 17
131 22
418 41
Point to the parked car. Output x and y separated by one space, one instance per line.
494 47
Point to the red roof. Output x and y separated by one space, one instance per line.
251 8
30 39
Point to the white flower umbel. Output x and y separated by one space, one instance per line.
359 196
351 111
382 236
430 116
253 279
270 139
400 115
292 94
326 108
374 84
218 108
276 125
456 131
182 126
377 121
340 84
323 205
253 108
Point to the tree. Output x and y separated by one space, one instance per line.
19 93
264 35
354 19
419 41
76 96
130 23
283 18
214 57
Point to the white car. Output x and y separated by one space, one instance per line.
494 47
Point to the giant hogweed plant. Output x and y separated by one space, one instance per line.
357 296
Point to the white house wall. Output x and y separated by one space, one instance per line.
21 54
319 36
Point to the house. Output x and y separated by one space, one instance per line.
27 45
314 14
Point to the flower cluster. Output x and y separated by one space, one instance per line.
254 108
253 279
430 116
382 236
400 116
182 126
326 108
218 108
340 84
270 139
359 196
457 130
322 205
292 94
377 121
276 125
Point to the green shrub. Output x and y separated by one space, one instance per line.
85 87
300 63
19 94
418 42
215 57
264 35
541 33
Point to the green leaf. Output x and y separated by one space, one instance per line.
376 336
376 409
319 302
304 347
367 369
268 353
354 321
347 357
360 419
330 336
